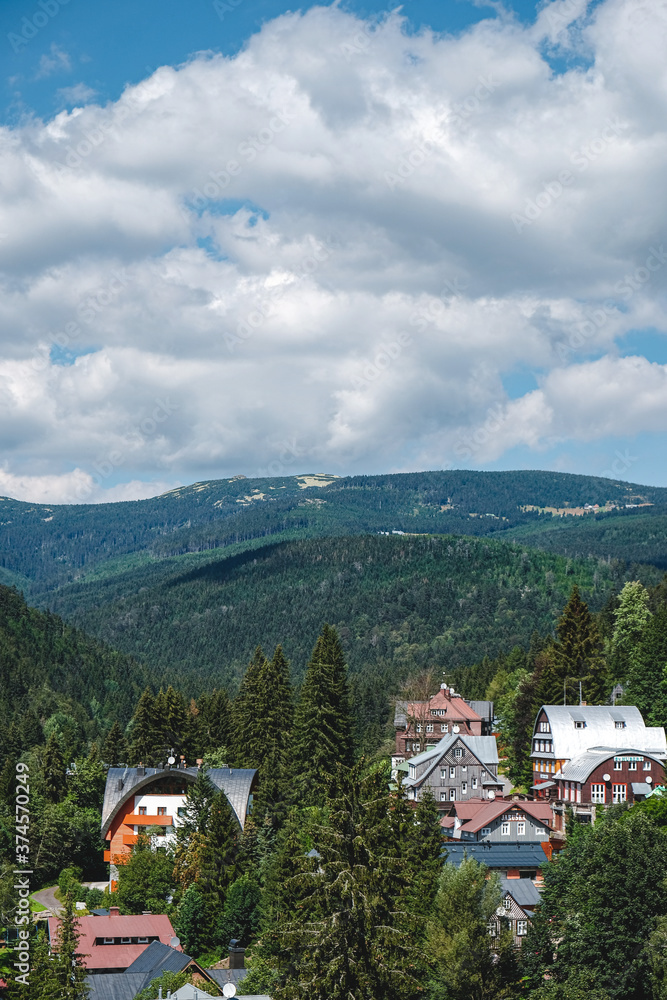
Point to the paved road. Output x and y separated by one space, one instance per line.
47 897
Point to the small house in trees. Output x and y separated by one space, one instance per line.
563 732
499 821
140 798
421 724
457 769
113 942
511 861
520 899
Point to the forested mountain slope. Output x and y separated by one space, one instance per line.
44 546
399 603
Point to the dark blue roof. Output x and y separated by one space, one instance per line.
499 855
116 985
159 958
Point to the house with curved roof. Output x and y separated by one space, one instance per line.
142 798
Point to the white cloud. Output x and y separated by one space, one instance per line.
79 94
56 61
342 239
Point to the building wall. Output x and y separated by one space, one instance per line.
506 829
456 779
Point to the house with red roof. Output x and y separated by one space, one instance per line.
112 943
420 725
500 821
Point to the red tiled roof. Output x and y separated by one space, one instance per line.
116 956
481 813
455 708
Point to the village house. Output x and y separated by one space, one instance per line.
149 798
602 777
420 725
520 899
112 943
563 732
458 768
499 821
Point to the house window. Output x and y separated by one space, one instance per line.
620 725
464 787
108 940
507 902
452 794
443 773
540 831
632 765
142 810
444 727
419 727
464 768
126 940
647 765
443 796
521 928
505 829
162 810
142 940
579 725
458 752
492 929
618 765
452 772
521 829
544 727
486 830
619 793
429 727
474 782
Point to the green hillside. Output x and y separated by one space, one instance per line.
400 603
45 546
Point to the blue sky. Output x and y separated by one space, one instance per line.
239 237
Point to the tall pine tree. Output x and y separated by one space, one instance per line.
275 708
323 724
53 771
248 724
145 735
114 748
577 656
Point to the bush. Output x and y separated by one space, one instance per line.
69 880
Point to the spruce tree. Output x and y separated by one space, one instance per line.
646 688
577 656
114 749
88 780
32 734
630 619
323 721
425 853
69 967
351 936
213 722
248 724
191 922
219 852
53 771
275 709
146 740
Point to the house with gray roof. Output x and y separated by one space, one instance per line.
520 899
563 732
153 798
458 768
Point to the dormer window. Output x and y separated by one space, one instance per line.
620 725
580 725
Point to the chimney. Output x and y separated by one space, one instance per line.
114 911
182 762
141 770
236 955
199 763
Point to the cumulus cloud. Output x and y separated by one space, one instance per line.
331 248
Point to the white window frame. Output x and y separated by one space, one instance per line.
458 752
544 727
507 902
452 772
464 787
429 727
618 765
486 831
619 793
647 765
109 940
632 765
443 796
540 831
521 829
452 795
419 727
474 782
443 773
492 928
619 725
521 928
505 829
444 727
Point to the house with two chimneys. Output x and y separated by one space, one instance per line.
419 725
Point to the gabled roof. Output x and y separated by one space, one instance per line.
158 958
599 729
522 890
125 782
116 956
453 707
483 708
486 812
580 768
498 855
484 748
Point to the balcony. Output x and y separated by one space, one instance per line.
134 819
